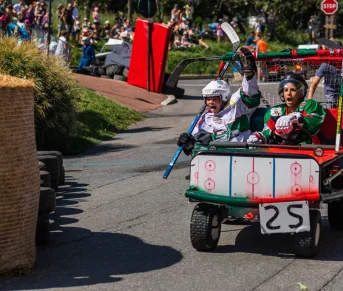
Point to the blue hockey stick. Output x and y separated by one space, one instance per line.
179 150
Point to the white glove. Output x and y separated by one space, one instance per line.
256 138
285 124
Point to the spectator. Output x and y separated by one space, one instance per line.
17 7
251 40
61 16
262 19
176 14
39 14
313 25
189 10
194 41
115 30
96 15
75 10
128 26
121 19
107 30
261 47
30 15
63 49
219 31
13 29
272 19
69 20
76 30
258 27
88 53
177 42
331 83
85 23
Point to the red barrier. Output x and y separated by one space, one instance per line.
138 72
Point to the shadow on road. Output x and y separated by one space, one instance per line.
76 256
250 240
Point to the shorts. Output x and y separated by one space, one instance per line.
220 33
61 27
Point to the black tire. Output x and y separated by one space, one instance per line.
119 77
111 70
42 230
41 166
45 178
205 227
335 214
53 153
306 244
62 177
47 200
52 165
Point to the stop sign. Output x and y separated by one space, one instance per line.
329 7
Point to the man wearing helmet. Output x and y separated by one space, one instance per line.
225 118
283 123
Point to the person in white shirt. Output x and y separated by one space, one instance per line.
63 48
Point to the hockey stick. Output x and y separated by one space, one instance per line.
339 116
175 75
179 150
329 44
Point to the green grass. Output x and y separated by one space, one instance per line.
98 119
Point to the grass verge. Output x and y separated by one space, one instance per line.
98 119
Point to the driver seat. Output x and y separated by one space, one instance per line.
327 132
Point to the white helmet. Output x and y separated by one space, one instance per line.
217 88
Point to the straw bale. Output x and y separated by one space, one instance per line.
19 175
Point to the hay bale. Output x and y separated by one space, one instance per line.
19 175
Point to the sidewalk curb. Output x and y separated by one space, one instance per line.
170 100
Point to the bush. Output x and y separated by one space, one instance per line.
55 110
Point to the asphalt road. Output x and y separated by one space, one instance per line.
119 226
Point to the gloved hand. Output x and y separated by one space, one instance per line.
187 141
247 61
285 124
257 138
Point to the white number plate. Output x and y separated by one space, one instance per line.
284 217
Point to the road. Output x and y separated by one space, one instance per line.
119 226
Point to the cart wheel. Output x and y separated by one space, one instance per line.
205 227
306 244
335 214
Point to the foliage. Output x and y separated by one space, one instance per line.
98 119
55 109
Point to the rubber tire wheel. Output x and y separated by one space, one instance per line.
335 214
306 244
45 179
47 200
52 165
119 78
205 227
41 166
53 153
111 70
42 230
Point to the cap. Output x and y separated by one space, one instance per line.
26 21
85 19
60 6
107 22
96 8
220 20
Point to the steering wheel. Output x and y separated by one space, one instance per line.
295 137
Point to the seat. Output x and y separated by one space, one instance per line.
257 119
327 132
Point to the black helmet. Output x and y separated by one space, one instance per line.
298 81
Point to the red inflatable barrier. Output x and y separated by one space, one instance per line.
138 72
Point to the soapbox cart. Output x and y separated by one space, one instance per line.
279 186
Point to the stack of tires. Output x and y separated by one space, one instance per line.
52 175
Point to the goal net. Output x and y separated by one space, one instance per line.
273 66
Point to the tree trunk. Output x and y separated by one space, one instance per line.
158 10
129 10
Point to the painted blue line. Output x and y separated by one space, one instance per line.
230 179
118 163
274 177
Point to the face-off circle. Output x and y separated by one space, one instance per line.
210 165
209 184
253 178
296 168
296 190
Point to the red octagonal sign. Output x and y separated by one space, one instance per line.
329 7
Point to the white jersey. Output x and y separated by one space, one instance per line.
232 123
